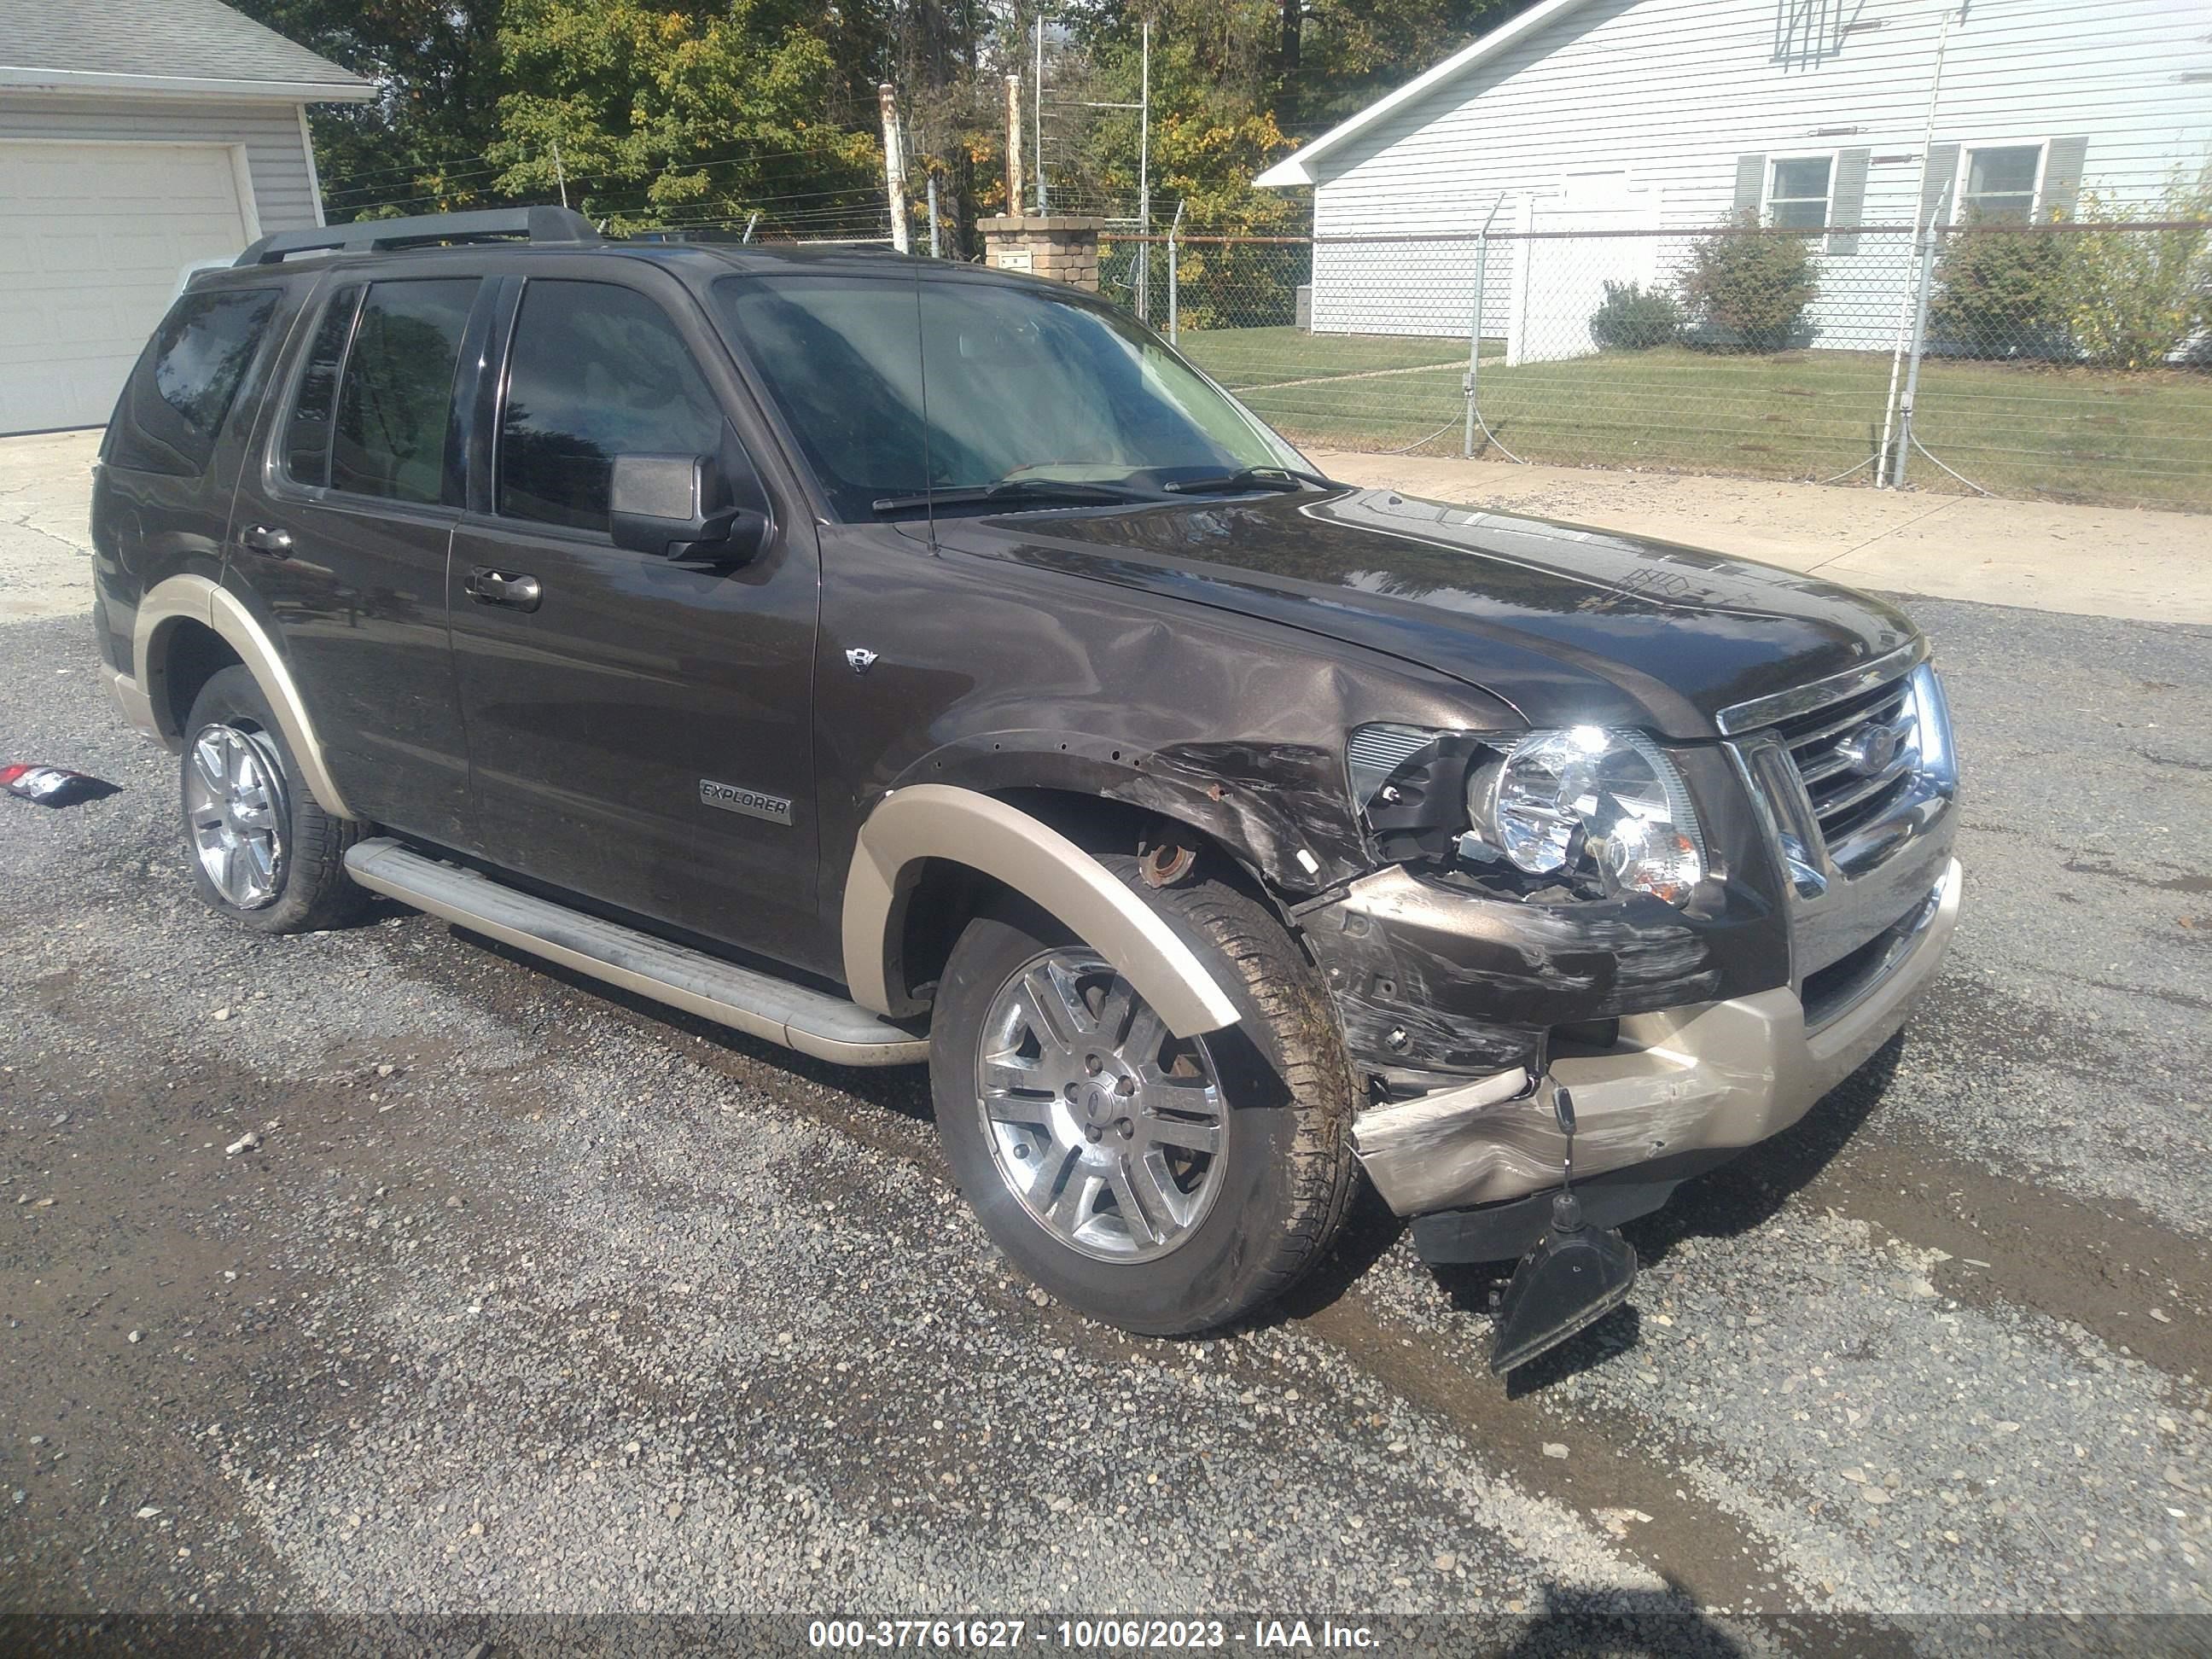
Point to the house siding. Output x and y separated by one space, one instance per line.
1678 93
275 151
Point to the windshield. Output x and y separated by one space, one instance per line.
897 388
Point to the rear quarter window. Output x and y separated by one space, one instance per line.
179 396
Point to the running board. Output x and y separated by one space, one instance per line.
758 1003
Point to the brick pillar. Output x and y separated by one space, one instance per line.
1060 248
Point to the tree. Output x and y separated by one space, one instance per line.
436 64
672 112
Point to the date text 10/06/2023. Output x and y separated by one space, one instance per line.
1082 1635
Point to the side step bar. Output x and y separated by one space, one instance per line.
757 1003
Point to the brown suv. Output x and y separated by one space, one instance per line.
907 662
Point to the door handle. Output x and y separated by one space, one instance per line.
510 588
266 538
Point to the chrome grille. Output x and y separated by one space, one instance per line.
1855 757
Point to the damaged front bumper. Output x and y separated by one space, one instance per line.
1678 1090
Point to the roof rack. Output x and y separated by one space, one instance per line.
541 226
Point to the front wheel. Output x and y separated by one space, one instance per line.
1160 1184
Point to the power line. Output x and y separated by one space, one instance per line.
340 198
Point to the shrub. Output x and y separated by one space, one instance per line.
2132 297
1632 318
1999 294
1750 287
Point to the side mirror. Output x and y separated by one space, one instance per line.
668 506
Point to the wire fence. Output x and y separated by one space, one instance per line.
2065 361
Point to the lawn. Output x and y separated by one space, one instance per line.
1255 357
2031 431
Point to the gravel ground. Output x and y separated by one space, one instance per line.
530 1297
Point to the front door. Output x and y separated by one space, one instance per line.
640 731
342 533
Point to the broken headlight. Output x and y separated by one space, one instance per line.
1590 801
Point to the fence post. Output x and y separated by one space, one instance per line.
1474 328
1174 297
1919 343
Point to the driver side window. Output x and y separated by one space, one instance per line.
597 371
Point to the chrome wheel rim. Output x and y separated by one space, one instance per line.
235 812
1111 1133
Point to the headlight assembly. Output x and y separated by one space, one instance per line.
1591 801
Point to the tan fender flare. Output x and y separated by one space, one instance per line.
196 598
937 821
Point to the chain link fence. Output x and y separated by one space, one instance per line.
2065 361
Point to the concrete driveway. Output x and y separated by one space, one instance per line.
530 1297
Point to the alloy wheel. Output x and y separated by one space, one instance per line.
236 812
1112 1134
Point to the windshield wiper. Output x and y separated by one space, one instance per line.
1253 478
1035 491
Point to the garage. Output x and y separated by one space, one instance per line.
136 137
92 240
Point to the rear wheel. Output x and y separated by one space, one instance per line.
264 851
1160 1184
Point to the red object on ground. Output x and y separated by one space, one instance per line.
52 785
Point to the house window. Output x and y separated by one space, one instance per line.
1797 192
2000 183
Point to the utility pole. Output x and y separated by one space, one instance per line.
1014 145
894 165
1042 208
560 177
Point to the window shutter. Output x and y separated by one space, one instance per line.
1847 197
1750 183
1942 172
2061 177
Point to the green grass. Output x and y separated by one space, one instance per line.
1254 357
2031 431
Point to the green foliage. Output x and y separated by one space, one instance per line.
1632 318
420 144
662 110
2132 297
2000 294
1748 287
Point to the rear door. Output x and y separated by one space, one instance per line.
343 533
640 730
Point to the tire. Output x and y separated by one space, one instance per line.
1243 1228
286 873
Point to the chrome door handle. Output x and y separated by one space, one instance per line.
512 589
266 538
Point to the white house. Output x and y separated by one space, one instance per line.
1663 116
136 137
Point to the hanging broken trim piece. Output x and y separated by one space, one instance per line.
53 786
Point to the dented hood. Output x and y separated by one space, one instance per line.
1568 625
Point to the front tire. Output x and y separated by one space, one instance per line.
1162 1185
264 852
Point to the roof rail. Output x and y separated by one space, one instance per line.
541 226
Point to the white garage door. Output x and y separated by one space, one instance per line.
92 238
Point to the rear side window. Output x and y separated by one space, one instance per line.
597 372
395 403
307 434
174 406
